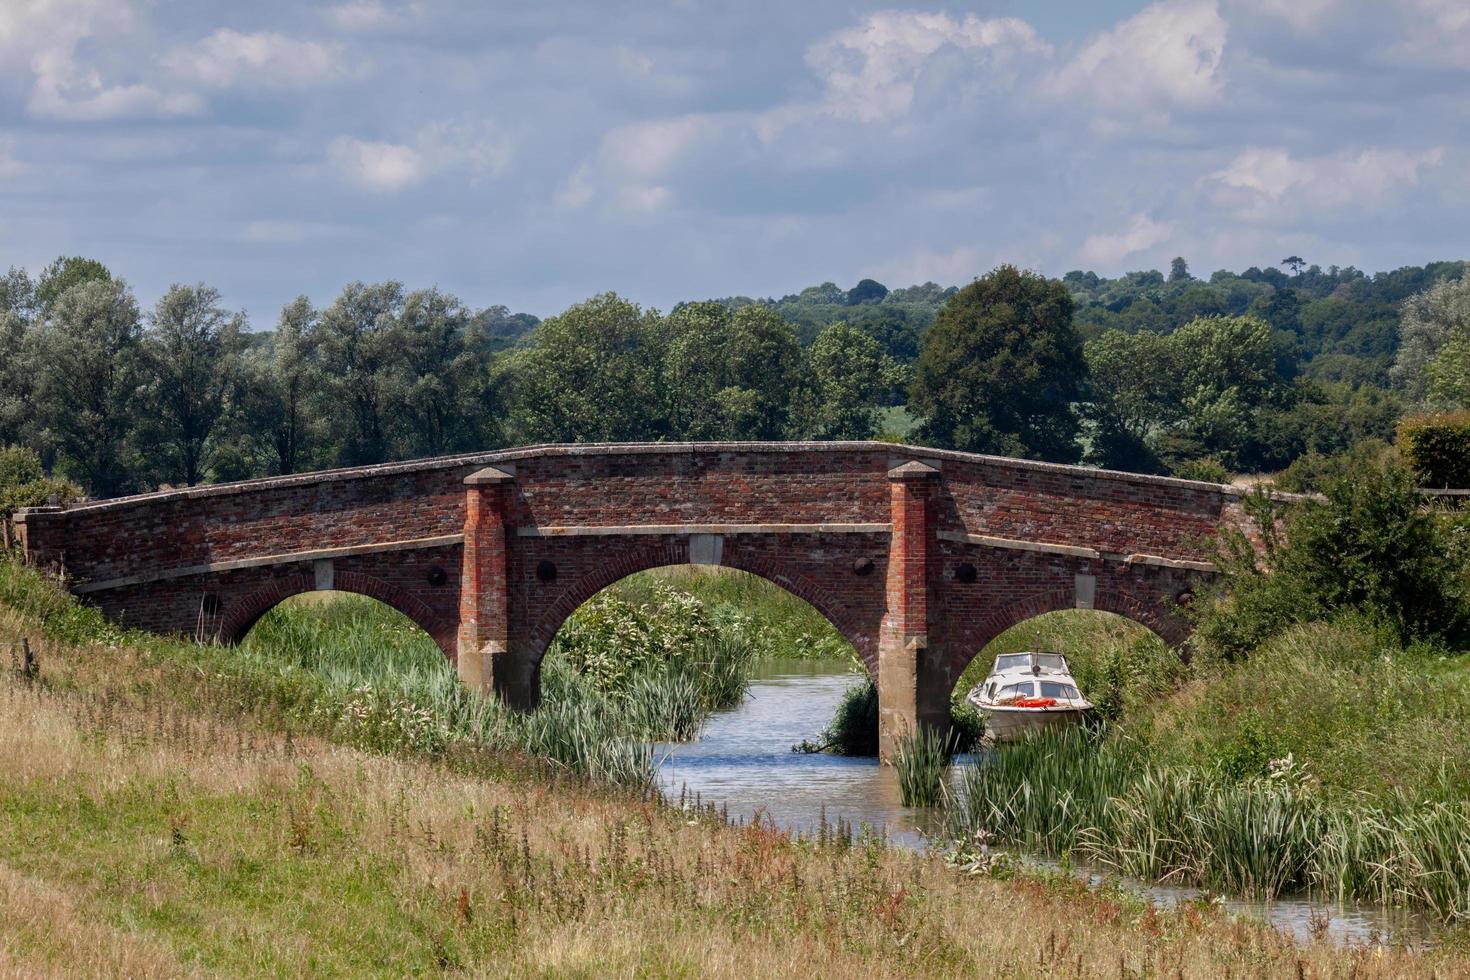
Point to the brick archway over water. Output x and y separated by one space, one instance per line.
918 556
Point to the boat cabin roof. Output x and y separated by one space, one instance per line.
1046 663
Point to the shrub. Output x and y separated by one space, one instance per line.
1207 469
23 483
613 640
854 727
1437 448
1369 546
966 725
1312 471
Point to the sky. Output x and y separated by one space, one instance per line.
534 154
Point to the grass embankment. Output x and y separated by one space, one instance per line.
166 810
646 660
1332 760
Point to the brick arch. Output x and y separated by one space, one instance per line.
545 627
1154 615
245 613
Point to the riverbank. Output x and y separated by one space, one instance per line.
1331 761
168 811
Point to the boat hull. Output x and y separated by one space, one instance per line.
1004 724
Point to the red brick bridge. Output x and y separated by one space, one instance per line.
918 556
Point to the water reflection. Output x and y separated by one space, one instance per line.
744 762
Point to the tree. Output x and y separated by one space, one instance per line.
848 374
290 376
866 291
63 274
586 375
694 369
1001 368
192 350
442 386
1430 320
88 383
1294 263
1179 270
355 346
765 365
1227 374
17 294
1131 397
16 407
1449 373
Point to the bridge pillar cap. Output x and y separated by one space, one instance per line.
489 476
22 513
913 470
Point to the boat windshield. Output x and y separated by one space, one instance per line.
1015 661
1025 689
1052 689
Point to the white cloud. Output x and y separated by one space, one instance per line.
633 61
1141 233
9 165
1300 14
286 232
642 198
65 89
650 149
377 166
477 151
1166 54
1263 182
577 190
226 58
44 35
1437 33
367 15
871 71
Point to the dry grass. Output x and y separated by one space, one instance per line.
143 837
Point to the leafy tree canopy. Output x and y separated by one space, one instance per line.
1001 368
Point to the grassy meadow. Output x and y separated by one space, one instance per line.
176 810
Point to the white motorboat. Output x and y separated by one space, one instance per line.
1026 692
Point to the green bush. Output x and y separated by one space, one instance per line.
1311 472
854 726
23 483
966 725
1369 546
1437 448
1207 469
613 640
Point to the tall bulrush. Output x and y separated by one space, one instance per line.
1106 803
921 761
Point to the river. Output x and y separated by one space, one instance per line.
743 762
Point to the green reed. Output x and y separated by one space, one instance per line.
921 760
391 687
1105 802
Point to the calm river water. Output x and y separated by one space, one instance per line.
744 762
